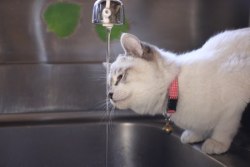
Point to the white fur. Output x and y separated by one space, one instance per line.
214 85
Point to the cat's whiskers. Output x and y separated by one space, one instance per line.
101 104
98 77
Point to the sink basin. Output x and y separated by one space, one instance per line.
84 145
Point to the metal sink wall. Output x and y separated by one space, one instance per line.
175 25
84 145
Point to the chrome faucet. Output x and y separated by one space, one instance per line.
108 13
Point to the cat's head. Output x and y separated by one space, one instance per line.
139 78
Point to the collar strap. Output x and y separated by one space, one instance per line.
173 92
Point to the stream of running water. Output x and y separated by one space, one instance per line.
109 109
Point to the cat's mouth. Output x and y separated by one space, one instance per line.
118 100
119 103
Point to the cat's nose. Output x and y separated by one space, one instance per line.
110 95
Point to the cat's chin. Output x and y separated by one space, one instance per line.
143 108
120 104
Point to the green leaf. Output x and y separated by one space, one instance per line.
62 18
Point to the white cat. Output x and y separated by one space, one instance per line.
214 85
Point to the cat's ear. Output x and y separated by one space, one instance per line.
131 44
134 47
106 65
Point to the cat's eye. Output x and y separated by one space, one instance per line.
119 79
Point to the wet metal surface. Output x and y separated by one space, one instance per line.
133 140
130 145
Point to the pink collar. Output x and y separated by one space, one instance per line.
173 93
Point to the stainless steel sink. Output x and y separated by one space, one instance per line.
43 79
79 144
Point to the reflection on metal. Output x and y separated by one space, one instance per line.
37 28
194 29
84 145
170 24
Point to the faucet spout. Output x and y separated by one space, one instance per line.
108 13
